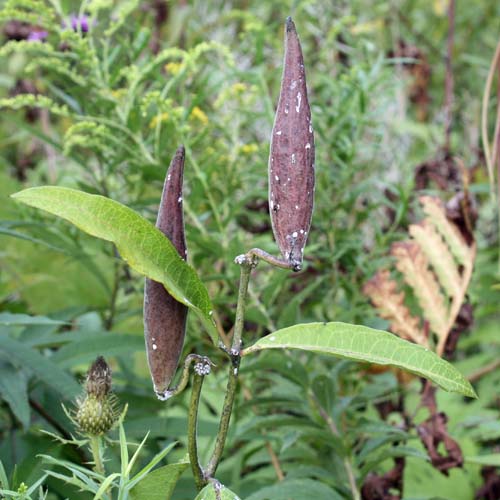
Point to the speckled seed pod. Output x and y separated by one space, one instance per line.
291 159
165 317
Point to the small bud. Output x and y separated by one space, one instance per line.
96 411
291 158
165 317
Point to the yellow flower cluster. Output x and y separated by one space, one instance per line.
199 115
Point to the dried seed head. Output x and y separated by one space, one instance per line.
98 382
291 159
96 411
165 317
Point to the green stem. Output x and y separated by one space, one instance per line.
227 409
96 450
247 264
271 259
198 474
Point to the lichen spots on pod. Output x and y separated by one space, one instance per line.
291 179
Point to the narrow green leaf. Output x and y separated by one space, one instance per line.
159 484
368 345
10 319
14 391
216 491
84 350
296 489
492 459
139 242
46 371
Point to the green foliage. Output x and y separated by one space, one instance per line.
360 343
139 243
111 107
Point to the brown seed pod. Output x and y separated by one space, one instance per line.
291 159
165 317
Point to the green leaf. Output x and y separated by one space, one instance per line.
86 349
9 319
46 371
141 244
216 491
296 489
159 484
14 391
368 345
492 459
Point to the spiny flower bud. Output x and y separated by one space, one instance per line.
291 159
96 411
164 316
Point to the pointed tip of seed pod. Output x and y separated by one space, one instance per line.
290 26
164 395
181 151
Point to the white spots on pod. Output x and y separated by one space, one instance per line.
276 207
293 84
288 179
185 252
308 146
296 207
155 347
301 231
276 177
294 159
272 338
299 99
179 200
271 204
235 371
168 177
278 132
286 109
310 128
294 234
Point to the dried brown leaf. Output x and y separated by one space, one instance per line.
413 264
439 256
384 295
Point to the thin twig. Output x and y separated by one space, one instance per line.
449 83
192 431
484 117
475 376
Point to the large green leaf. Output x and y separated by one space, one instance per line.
45 370
141 244
9 319
296 489
361 343
14 391
159 484
216 491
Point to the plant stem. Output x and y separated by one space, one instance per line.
227 409
198 474
246 265
95 448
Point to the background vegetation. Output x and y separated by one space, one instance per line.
102 102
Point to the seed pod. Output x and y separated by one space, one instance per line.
291 159
165 317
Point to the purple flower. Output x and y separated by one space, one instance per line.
37 36
78 23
